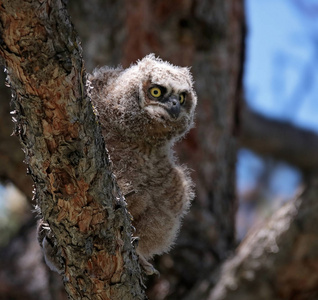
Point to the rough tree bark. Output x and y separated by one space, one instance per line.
65 151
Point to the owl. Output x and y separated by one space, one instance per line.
143 111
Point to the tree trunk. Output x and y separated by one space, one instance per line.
65 152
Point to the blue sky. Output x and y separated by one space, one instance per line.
280 80
281 75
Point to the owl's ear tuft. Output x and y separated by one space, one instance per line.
144 64
150 57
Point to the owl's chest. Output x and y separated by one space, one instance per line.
140 172
145 180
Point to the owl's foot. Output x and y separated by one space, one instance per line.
148 268
52 253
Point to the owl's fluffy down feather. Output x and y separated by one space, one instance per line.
139 133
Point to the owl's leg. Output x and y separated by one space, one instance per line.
147 266
52 254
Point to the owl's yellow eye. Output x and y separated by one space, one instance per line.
182 98
155 92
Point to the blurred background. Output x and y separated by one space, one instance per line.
280 82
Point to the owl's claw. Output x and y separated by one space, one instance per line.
148 268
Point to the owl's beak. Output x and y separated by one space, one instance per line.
173 107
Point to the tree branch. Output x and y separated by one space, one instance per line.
65 151
278 260
279 139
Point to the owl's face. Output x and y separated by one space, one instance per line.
167 97
166 101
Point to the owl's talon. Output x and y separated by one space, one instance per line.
148 268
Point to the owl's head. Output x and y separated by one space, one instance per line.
153 100
166 91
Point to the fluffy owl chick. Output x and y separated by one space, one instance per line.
143 111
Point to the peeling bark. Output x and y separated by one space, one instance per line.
65 152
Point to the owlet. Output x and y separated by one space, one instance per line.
143 111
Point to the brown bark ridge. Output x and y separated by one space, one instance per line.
278 260
65 152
